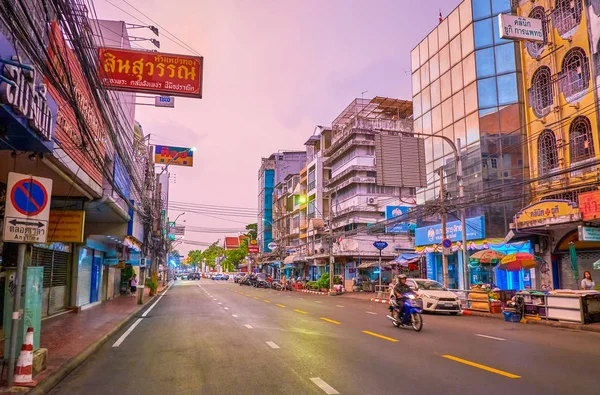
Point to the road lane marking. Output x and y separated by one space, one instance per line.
226 308
370 312
280 305
332 321
338 305
300 311
483 367
127 332
219 303
490 337
329 390
316 301
247 295
278 294
256 298
234 315
381 336
272 345
248 326
215 299
153 304
267 301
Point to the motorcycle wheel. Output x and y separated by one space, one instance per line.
396 323
416 321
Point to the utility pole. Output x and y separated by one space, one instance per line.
463 215
331 259
443 212
16 315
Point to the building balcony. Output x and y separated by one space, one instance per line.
333 180
345 147
351 180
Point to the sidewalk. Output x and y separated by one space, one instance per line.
72 337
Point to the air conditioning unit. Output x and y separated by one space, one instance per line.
322 250
372 201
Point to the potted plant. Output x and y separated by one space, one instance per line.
152 285
323 282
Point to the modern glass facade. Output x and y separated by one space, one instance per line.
467 85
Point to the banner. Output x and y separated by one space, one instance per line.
179 156
66 226
151 72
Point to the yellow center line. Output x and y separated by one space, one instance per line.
483 367
280 305
247 295
256 298
332 321
300 311
381 336
267 301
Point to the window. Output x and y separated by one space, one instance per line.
505 58
535 49
541 95
483 33
481 9
494 163
567 16
547 153
508 92
486 93
484 63
580 139
379 190
575 75
595 6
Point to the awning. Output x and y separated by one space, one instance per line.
294 258
406 259
368 264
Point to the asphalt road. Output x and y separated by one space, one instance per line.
206 337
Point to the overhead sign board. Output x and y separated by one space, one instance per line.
589 205
253 248
380 245
588 233
520 28
152 72
392 212
546 212
164 101
272 245
428 235
27 208
178 230
178 156
111 261
66 226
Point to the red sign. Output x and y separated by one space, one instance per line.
253 248
589 205
152 72
68 135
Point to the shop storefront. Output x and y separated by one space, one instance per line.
56 260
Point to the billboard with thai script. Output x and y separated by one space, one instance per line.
151 72
179 156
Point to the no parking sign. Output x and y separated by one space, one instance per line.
27 208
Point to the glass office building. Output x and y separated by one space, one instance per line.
466 85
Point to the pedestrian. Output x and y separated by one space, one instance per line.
133 284
284 283
587 283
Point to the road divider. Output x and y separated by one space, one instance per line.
280 305
329 390
329 320
300 311
482 367
391 339
267 301
272 345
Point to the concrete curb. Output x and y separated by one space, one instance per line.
63 371
313 292
554 324
377 300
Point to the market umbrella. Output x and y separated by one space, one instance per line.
489 257
519 261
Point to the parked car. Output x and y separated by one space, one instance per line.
193 276
217 276
435 297
225 277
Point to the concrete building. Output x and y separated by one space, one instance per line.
272 171
466 86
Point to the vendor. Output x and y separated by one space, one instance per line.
587 283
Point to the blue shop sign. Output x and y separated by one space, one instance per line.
427 235
393 212
27 110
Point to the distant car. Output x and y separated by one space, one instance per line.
218 276
193 276
435 297
225 277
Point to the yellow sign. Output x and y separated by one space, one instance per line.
121 265
253 242
547 212
66 226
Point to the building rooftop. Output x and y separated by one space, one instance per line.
376 108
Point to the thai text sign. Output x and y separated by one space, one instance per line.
174 155
520 28
546 212
589 205
428 235
66 226
393 212
143 71
587 233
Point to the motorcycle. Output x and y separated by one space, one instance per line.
407 314
276 285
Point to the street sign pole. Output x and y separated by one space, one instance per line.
380 268
14 327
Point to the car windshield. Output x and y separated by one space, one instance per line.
430 286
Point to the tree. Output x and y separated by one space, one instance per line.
195 258
252 231
211 253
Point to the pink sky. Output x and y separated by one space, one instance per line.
273 70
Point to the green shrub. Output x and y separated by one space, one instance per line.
151 284
324 281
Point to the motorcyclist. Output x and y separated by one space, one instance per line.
400 289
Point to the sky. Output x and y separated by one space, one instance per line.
273 70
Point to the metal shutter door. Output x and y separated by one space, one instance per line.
43 257
59 289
